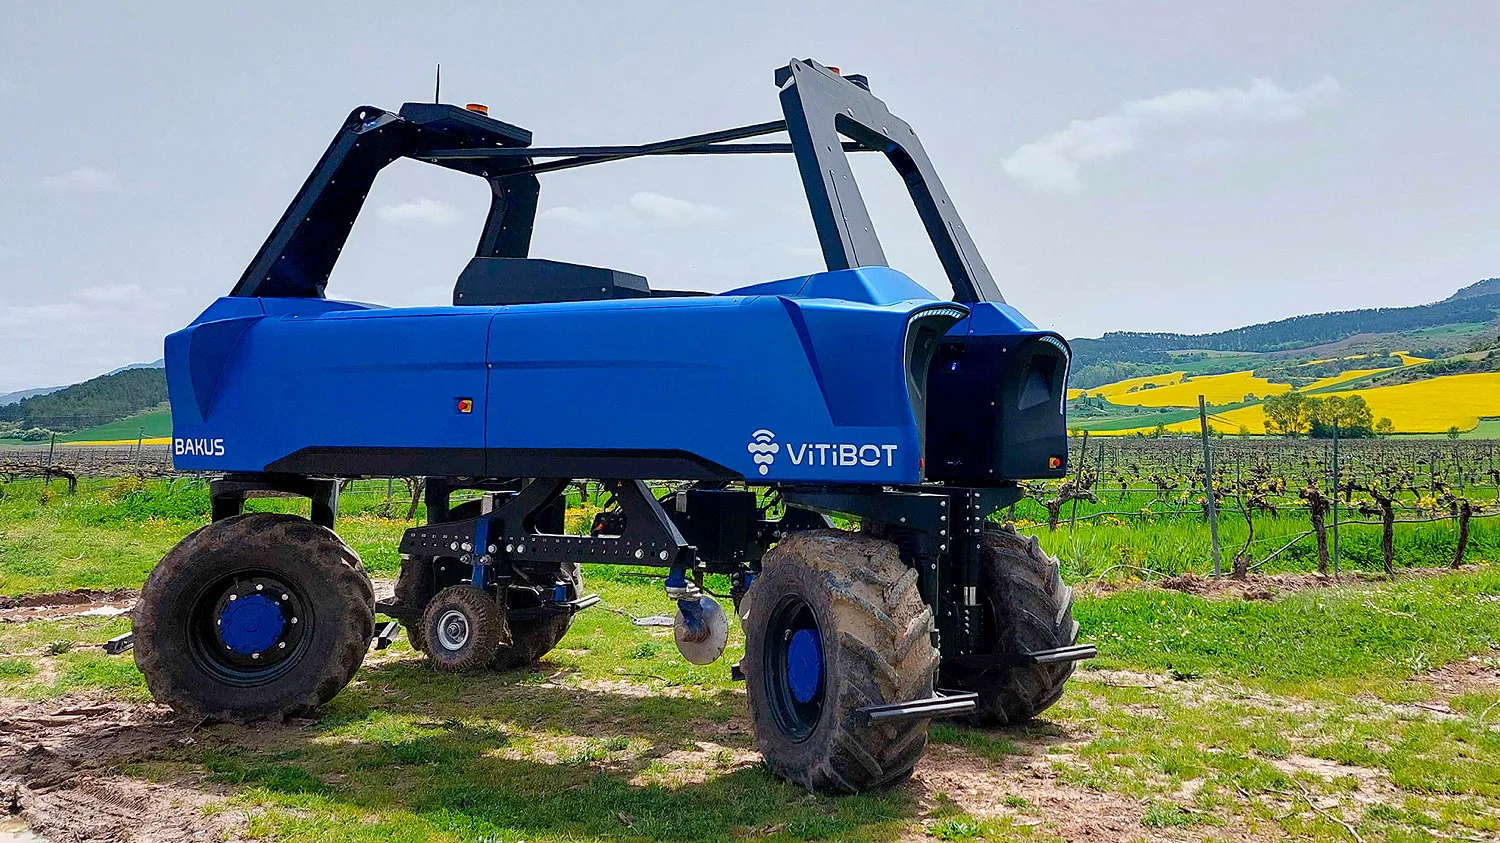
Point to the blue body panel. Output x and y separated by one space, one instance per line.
807 374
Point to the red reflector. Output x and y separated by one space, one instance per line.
1054 462
466 405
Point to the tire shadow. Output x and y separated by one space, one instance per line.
415 751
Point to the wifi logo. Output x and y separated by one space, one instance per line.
764 449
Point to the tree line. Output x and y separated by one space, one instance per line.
97 401
1296 414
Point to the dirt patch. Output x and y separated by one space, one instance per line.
1476 674
696 766
1370 782
1262 586
987 788
1253 587
61 604
55 769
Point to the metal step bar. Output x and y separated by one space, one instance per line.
1077 652
119 644
942 704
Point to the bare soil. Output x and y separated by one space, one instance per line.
62 604
58 772
61 763
1265 586
1253 587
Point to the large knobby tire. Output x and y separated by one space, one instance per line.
534 637
415 584
308 620
413 592
1029 608
848 600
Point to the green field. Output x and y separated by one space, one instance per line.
153 424
1312 717
1147 419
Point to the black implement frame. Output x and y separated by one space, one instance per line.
825 116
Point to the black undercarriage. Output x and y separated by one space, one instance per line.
517 536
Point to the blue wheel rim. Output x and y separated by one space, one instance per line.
249 628
804 657
252 624
795 671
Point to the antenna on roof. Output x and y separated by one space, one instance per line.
437 87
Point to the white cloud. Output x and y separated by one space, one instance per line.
83 180
7 86
421 212
111 293
671 212
644 208
100 303
38 315
569 215
1055 161
6 252
100 326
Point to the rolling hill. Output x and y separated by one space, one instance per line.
1464 313
20 395
1429 369
100 400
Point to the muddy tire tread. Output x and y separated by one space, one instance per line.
884 654
1036 613
348 610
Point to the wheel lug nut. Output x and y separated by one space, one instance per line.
281 645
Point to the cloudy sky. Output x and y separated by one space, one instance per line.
1149 166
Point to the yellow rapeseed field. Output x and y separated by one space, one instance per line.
1110 390
1228 388
1217 389
1426 406
146 441
1348 375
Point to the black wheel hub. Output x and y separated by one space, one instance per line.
249 628
795 668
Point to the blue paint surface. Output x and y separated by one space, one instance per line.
789 381
251 624
804 663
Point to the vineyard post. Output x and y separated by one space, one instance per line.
1335 498
1208 486
1083 457
50 450
1102 461
140 437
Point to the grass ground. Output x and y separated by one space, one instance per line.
1137 533
152 424
1488 428
1368 712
